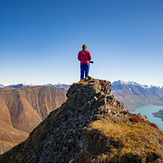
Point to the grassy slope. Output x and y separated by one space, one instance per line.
21 110
135 139
9 136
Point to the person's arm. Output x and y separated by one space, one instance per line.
79 56
90 56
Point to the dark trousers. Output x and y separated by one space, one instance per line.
84 70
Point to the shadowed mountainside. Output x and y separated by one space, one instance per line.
91 126
22 109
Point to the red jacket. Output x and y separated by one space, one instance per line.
84 57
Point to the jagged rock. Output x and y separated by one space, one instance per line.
91 126
141 116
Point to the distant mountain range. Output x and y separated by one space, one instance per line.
135 95
56 86
12 86
15 86
132 94
1 85
59 86
22 108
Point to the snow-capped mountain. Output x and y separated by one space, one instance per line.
132 94
116 84
135 95
1 86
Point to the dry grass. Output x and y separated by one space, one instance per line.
138 139
9 136
81 83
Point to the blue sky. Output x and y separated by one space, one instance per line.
40 40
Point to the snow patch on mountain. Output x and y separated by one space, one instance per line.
121 82
1 85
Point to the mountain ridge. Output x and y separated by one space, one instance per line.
22 109
135 95
135 83
66 84
1 86
91 126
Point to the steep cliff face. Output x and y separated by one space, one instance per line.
22 109
91 126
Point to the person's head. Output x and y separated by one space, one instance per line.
84 46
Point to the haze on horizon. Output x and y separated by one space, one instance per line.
40 40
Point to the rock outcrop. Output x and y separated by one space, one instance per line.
91 126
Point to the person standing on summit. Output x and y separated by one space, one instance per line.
84 57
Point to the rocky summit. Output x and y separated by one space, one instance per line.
91 126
